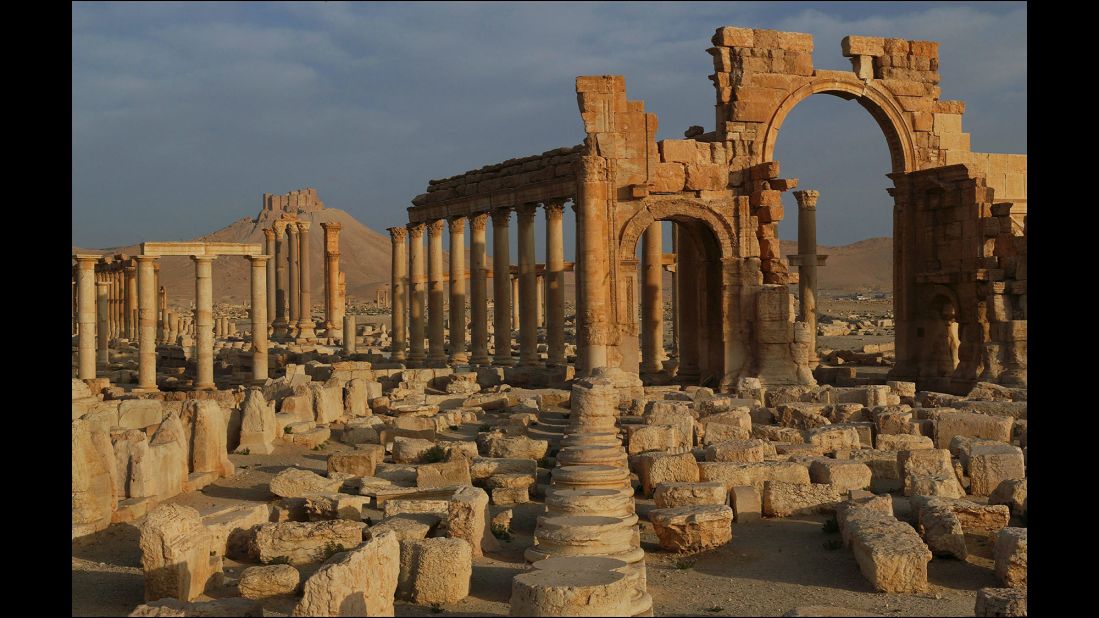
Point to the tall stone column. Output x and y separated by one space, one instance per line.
398 282
102 331
295 278
436 333
272 285
161 303
146 316
687 265
111 305
258 315
282 281
528 287
478 287
555 282
305 323
204 322
333 305
594 247
85 315
807 262
652 299
419 291
119 302
458 353
501 286
131 301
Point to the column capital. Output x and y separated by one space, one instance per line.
292 228
279 226
130 268
807 198
203 258
501 216
435 228
555 209
261 259
478 221
103 284
528 210
397 234
269 233
86 261
416 230
303 226
145 258
331 226
457 224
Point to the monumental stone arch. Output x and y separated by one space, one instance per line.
959 230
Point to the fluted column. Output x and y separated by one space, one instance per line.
555 282
295 278
652 299
399 285
436 334
478 305
419 291
501 286
528 287
204 322
272 285
458 354
333 305
85 315
305 304
146 316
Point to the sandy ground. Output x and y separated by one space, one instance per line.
771 565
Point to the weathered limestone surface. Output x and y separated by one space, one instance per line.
692 528
782 499
261 582
1001 602
305 542
359 582
178 555
1010 555
297 483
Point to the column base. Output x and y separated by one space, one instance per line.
459 359
481 360
506 361
204 387
653 368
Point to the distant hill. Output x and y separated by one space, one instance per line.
365 258
863 265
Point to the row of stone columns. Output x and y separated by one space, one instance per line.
93 298
289 299
408 280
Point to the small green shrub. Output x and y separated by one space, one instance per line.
289 429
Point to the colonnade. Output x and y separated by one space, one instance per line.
528 301
289 298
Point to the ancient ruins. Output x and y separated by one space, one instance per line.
509 448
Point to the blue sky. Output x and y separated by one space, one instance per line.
183 114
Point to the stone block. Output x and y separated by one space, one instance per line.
743 451
178 555
656 468
359 582
670 495
297 483
754 474
262 582
746 502
692 528
781 499
1010 557
306 542
642 438
843 474
1001 602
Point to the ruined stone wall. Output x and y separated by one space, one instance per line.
292 203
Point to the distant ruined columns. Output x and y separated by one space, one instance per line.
295 279
131 300
478 284
399 282
436 334
282 281
306 324
272 285
418 282
102 291
334 308
501 286
458 353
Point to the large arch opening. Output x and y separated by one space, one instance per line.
674 279
843 243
